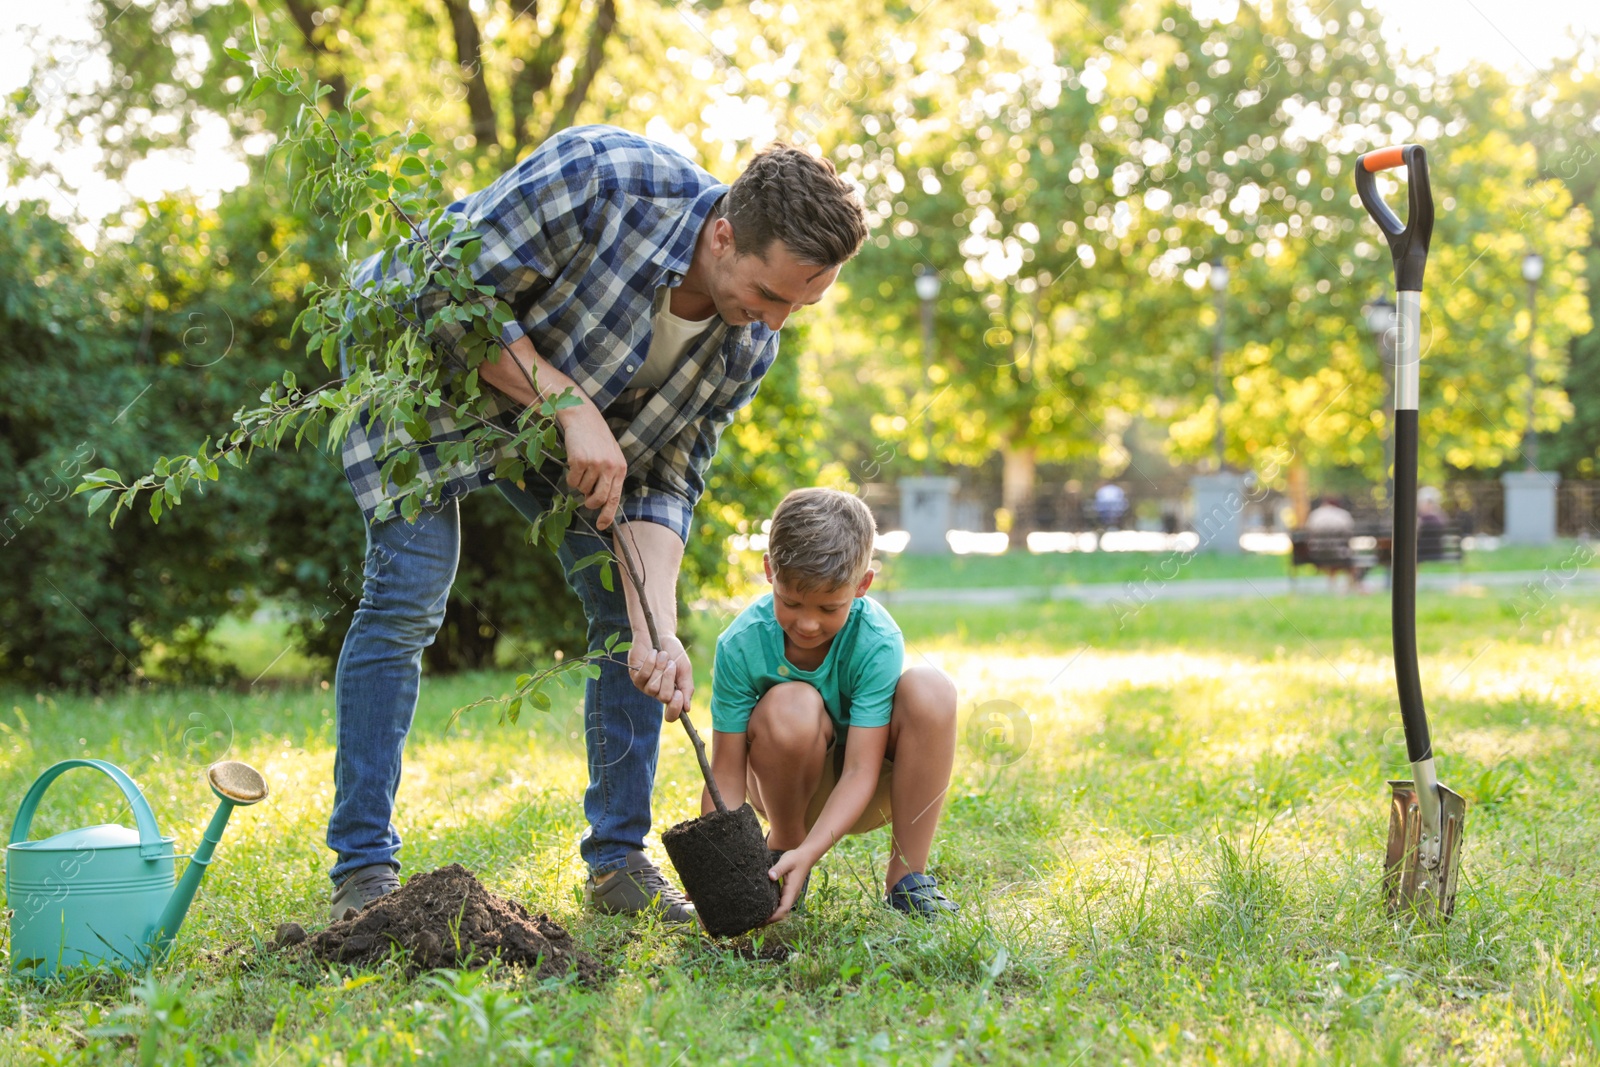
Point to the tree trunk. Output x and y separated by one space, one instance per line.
1299 490
605 20
300 11
1017 491
469 57
465 642
538 69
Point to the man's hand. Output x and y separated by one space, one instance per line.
664 673
791 870
595 466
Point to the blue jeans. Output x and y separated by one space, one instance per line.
407 577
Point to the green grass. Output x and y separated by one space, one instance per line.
1079 568
1175 859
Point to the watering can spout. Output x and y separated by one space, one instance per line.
236 785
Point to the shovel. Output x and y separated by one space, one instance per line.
1426 819
721 857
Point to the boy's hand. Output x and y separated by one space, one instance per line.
664 674
791 869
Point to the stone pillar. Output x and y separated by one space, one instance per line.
1530 507
926 507
1219 501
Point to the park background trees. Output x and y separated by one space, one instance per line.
1068 170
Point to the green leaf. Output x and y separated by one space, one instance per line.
235 53
98 500
540 699
413 166
606 578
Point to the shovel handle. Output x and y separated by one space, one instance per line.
1408 241
1408 244
1403 602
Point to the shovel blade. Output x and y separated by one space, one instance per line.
1409 884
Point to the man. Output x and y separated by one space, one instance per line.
656 294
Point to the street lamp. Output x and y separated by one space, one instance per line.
1532 271
1381 321
927 285
1219 287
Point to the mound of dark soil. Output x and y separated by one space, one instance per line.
446 918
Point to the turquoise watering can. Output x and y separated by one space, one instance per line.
107 894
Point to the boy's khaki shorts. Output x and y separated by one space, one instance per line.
875 814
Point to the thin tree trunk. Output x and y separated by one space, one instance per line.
1299 490
1017 491
300 11
605 20
469 58
538 69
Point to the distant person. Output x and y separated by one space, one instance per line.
1329 528
1430 511
1110 505
1433 523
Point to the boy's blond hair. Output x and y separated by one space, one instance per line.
820 539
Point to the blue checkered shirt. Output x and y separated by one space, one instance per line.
576 239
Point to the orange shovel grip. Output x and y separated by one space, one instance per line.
1383 159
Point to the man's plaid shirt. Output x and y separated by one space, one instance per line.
576 239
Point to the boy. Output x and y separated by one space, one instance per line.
812 718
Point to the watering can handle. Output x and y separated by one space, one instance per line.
151 845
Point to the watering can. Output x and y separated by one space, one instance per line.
108 894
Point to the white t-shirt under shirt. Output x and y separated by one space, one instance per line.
670 337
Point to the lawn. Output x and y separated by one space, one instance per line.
1079 568
1166 829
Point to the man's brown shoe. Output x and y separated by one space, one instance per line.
361 888
639 888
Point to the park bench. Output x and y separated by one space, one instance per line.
1331 553
1364 550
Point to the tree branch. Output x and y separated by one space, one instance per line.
626 558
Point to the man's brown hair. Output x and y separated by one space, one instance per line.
787 194
820 539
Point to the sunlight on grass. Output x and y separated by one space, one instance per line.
1169 853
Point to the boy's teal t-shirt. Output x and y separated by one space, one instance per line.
857 678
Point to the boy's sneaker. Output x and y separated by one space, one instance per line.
773 856
918 894
360 888
639 888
